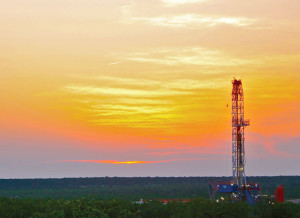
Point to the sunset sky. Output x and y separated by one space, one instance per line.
141 87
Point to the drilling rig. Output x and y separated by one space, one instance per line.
238 189
238 139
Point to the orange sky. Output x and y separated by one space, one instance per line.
139 81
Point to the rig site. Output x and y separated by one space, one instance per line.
239 189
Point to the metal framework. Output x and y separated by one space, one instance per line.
238 139
238 189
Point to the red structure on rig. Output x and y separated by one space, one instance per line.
279 194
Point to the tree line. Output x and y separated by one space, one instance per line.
134 188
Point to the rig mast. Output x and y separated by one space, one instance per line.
238 139
238 189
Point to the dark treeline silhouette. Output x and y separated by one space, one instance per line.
134 188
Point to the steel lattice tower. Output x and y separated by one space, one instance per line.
238 189
238 139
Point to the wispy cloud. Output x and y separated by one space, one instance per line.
149 101
181 2
176 84
120 162
204 151
139 102
93 90
194 20
113 63
187 56
270 147
114 109
128 107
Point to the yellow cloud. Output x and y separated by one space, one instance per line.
181 2
194 20
92 90
188 56
121 162
129 109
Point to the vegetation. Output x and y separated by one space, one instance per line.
107 188
120 208
116 197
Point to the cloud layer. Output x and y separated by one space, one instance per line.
137 80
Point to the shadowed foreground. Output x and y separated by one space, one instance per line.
120 208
